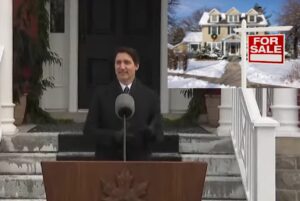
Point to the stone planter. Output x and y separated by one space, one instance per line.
212 102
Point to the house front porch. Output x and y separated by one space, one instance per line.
231 45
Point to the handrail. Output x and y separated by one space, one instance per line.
253 138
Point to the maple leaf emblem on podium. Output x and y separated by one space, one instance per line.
123 189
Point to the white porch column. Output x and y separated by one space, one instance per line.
73 81
285 111
6 39
224 48
225 111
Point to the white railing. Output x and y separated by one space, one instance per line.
253 139
264 99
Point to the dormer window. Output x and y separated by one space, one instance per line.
252 18
214 18
233 18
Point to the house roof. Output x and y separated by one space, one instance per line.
232 38
193 37
232 9
252 11
214 10
204 20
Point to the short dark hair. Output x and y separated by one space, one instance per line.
132 53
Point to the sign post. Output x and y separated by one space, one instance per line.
257 51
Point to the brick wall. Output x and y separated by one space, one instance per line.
287 169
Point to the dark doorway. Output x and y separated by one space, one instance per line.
107 24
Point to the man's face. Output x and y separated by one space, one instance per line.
125 68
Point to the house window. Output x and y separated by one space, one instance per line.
214 18
57 16
215 46
214 30
194 47
251 18
231 30
233 18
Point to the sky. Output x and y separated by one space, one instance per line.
187 7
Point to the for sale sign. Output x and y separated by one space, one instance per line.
266 48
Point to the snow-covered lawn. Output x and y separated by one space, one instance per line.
286 74
209 68
180 82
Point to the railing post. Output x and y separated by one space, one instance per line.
264 102
264 152
225 112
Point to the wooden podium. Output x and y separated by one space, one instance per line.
123 181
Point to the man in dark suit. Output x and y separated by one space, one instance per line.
143 129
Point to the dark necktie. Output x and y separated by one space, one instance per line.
126 90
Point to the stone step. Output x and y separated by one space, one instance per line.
30 142
23 163
205 143
225 165
31 187
67 141
217 164
75 142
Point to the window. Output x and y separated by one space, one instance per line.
214 18
236 18
233 18
194 47
215 45
230 30
251 18
214 30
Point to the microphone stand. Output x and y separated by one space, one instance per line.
124 139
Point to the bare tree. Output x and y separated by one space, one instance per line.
290 15
176 35
171 11
191 23
263 11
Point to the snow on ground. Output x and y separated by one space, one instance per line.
275 74
209 68
180 82
215 68
287 74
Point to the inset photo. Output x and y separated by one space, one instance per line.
218 44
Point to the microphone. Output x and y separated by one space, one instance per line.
124 108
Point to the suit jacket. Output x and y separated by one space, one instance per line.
144 128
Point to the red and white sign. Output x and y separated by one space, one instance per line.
266 48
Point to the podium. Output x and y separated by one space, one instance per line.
123 181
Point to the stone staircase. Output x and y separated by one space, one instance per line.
20 156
